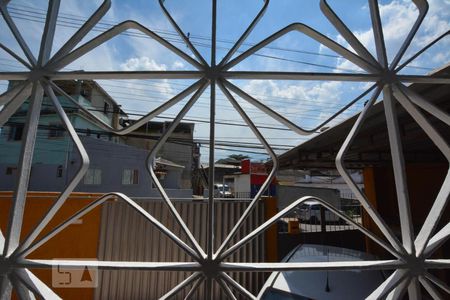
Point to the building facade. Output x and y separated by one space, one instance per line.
56 160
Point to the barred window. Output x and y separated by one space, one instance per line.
93 177
130 176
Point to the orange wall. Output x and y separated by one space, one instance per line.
75 241
424 182
271 233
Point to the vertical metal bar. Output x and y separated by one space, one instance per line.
378 33
209 288
49 32
414 290
398 165
212 124
75 180
25 162
323 224
5 287
152 156
2 242
210 239
266 183
102 247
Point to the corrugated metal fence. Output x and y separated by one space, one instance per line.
126 236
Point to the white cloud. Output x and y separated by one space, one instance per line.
398 18
142 63
302 98
178 65
164 87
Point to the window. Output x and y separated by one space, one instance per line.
106 108
15 133
10 170
315 207
130 176
93 176
86 93
59 171
55 131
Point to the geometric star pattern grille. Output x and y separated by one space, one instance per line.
411 253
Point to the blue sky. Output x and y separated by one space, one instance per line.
304 103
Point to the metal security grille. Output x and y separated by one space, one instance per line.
209 266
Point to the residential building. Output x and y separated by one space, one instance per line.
56 160
179 149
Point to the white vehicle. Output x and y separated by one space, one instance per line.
322 285
222 191
309 211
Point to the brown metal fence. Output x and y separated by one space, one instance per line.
125 236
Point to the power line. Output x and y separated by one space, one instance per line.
171 117
168 32
183 141
175 38
267 99
179 41
263 125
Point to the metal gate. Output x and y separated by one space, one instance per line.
412 254
127 237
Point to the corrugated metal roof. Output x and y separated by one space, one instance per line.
166 162
371 146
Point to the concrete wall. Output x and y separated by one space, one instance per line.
287 194
242 185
